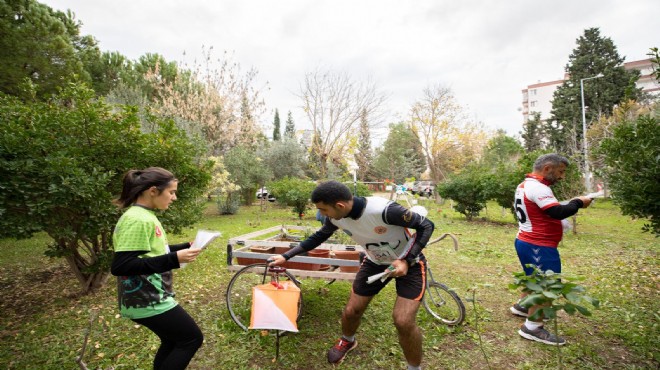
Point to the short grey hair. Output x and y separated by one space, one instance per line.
553 159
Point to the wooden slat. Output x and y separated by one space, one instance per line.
338 275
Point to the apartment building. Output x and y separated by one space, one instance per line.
538 97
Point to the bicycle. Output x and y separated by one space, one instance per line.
441 302
438 302
438 297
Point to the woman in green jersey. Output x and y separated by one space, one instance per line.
143 262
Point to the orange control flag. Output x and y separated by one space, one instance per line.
275 306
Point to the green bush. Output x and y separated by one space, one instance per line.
246 170
293 192
362 189
229 203
632 159
61 164
469 189
554 291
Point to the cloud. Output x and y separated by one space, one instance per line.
486 51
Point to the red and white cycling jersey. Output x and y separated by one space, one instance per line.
533 196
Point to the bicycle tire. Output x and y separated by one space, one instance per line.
443 304
239 292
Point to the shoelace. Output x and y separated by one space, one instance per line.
343 344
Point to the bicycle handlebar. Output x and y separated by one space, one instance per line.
454 239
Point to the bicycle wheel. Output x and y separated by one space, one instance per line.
443 304
239 292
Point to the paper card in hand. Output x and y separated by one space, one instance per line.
203 238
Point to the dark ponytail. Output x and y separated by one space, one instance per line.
137 181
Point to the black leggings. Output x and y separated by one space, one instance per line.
179 335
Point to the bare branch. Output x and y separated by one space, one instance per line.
333 104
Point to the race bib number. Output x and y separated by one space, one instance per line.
382 252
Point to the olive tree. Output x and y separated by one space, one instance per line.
61 164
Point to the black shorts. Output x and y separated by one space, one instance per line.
411 286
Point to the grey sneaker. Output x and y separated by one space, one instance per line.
519 310
337 353
541 335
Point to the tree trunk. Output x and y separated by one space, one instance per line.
89 282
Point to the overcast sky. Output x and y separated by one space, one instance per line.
485 51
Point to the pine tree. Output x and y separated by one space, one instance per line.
276 126
290 128
314 157
43 45
401 155
532 133
593 55
364 155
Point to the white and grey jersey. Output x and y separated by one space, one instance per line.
381 226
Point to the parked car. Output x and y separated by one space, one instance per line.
423 188
263 193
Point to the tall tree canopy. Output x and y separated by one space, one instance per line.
364 155
502 149
247 170
400 156
290 128
533 133
334 103
449 140
593 55
42 45
276 126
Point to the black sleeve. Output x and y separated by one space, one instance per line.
561 212
130 263
323 234
396 214
180 246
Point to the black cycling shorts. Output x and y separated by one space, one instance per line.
411 286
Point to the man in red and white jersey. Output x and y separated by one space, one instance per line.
540 231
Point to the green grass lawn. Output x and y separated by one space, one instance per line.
43 319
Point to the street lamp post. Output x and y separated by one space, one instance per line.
587 173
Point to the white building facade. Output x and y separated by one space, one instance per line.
538 97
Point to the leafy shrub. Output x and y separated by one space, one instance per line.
61 164
246 170
632 159
554 291
362 189
293 192
229 203
469 189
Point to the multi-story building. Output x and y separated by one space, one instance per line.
538 97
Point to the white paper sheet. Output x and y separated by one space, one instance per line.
203 238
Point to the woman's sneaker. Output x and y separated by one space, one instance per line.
337 353
541 335
519 310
